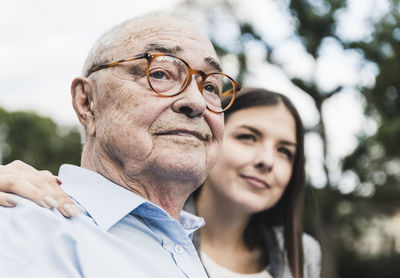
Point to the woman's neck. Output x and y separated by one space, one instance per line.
222 236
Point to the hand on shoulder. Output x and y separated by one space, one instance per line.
41 187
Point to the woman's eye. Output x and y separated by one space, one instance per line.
246 137
286 152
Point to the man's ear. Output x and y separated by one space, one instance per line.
82 99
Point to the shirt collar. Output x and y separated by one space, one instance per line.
107 202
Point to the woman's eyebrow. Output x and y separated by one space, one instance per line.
252 129
259 133
288 143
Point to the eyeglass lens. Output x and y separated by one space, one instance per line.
168 76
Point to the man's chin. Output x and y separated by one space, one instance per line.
182 158
181 168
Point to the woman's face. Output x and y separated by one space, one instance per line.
257 158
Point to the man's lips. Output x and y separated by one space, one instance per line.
185 132
256 182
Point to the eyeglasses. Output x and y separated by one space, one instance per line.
168 76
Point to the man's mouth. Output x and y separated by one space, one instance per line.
187 133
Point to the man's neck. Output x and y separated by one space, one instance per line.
166 193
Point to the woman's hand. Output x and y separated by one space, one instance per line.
41 187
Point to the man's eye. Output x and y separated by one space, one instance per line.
157 74
211 89
247 137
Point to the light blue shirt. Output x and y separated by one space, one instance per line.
119 234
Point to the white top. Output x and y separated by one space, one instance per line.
216 271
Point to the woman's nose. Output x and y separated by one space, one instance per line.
264 160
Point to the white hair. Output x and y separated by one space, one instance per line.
103 49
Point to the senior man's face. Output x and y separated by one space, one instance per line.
172 137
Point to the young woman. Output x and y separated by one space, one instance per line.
252 200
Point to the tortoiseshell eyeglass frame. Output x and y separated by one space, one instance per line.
150 57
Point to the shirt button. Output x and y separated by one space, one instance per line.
178 249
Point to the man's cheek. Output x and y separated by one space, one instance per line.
216 123
140 145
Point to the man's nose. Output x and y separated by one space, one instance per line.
190 102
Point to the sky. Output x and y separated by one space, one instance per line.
43 44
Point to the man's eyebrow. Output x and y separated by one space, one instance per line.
163 49
213 63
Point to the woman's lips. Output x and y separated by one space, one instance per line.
256 182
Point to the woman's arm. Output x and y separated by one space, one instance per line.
41 187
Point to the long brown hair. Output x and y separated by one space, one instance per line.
288 212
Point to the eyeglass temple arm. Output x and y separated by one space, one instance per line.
113 64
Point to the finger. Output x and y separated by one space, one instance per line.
45 182
7 200
43 195
46 172
57 197
41 187
65 205
51 176
53 195
21 169
17 165
19 186
69 210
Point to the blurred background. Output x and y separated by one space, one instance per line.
338 60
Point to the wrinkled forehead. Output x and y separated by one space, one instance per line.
170 36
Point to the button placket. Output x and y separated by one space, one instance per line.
178 249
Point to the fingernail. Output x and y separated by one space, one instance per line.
50 201
58 180
12 201
72 210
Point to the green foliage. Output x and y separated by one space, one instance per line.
37 141
377 158
383 267
315 21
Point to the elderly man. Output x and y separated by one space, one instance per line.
154 128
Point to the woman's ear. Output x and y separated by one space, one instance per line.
82 101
